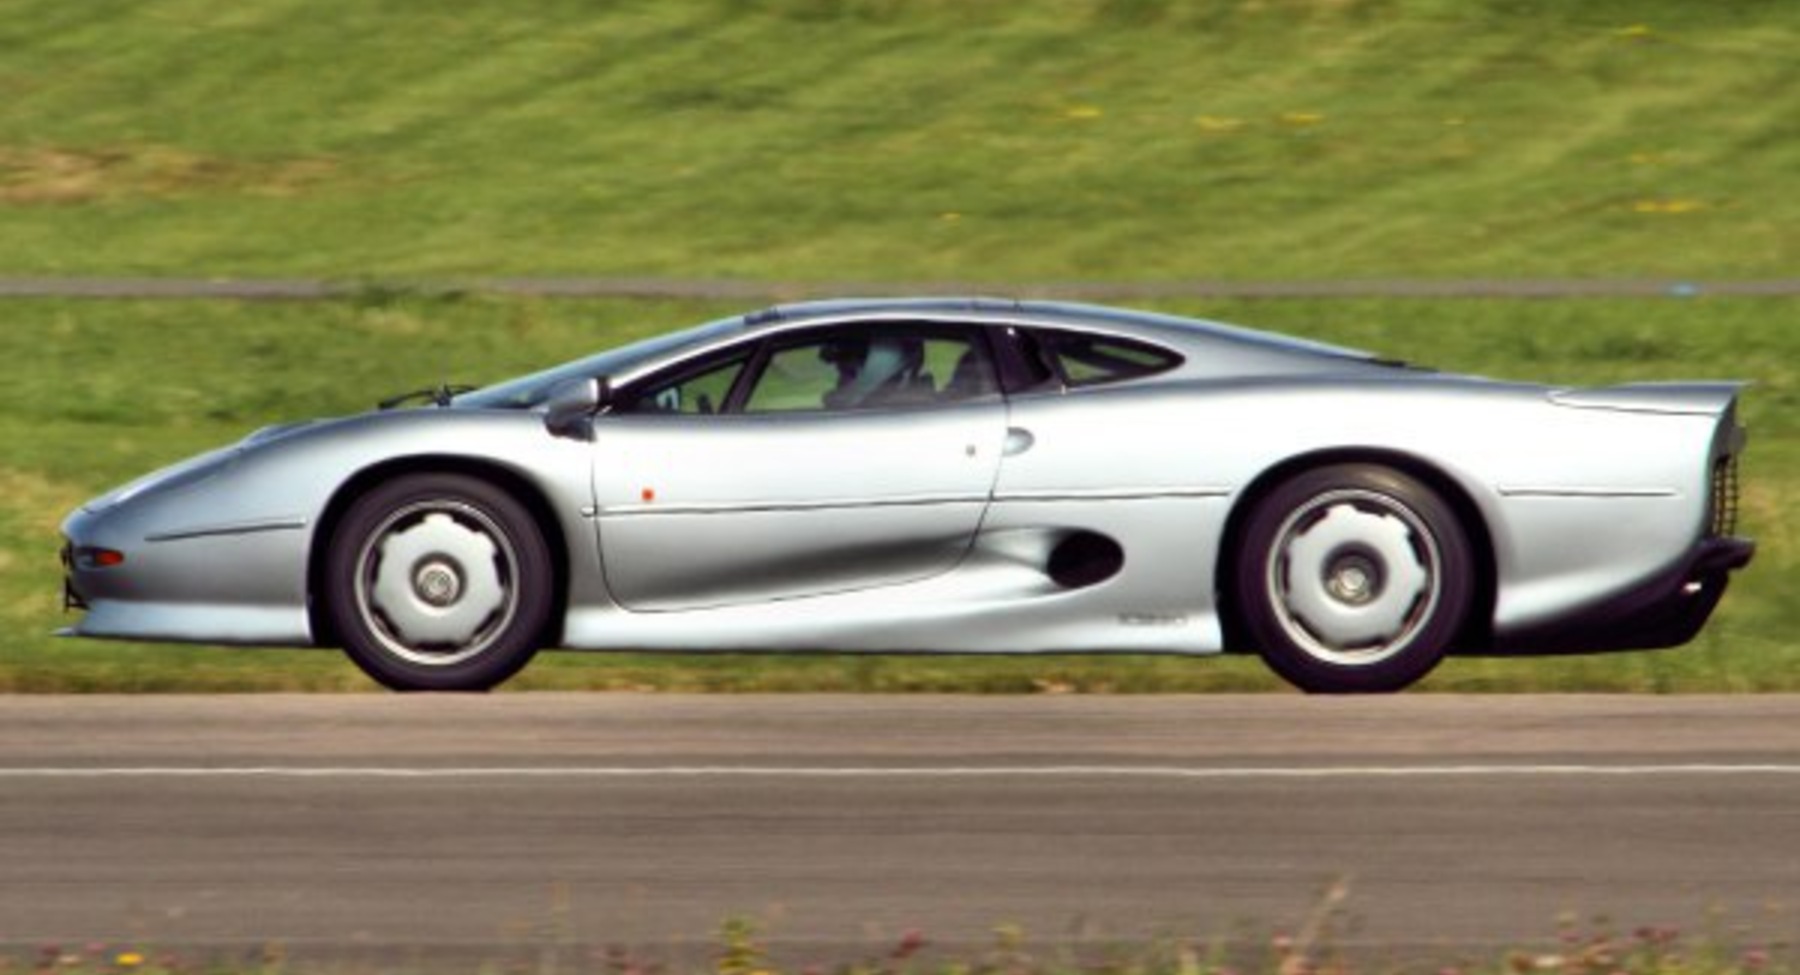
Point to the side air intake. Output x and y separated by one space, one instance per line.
1084 559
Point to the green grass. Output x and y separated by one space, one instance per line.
94 393
876 140
890 140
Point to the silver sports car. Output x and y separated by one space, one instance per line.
960 476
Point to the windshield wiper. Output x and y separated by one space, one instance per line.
439 395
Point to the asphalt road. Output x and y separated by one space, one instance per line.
477 826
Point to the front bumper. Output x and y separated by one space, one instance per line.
71 598
245 587
1666 611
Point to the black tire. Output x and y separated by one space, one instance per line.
1354 578
439 582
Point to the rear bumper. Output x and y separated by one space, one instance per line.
1666 611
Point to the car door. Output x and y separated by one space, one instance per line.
818 461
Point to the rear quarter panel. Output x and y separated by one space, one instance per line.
1578 503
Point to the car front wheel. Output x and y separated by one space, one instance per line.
1354 578
439 582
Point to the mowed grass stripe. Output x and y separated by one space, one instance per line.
718 289
867 140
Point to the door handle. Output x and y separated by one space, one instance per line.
1018 440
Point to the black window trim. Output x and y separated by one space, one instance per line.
1030 346
627 399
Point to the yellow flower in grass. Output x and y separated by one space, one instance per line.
128 959
1302 118
1668 206
1083 112
1218 123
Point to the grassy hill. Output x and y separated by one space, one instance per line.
873 140
901 139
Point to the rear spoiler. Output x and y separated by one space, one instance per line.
1686 398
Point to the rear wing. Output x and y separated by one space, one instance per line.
1688 398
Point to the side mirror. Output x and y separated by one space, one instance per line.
572 404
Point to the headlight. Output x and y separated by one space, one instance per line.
279 430
187 473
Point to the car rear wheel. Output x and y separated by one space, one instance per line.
439 582
1354 578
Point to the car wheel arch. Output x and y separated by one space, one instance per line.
507 479
1477 630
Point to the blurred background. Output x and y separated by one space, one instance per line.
718 155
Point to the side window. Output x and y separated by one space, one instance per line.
866 368
696 392
1089 360
797 378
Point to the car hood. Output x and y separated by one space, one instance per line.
201 467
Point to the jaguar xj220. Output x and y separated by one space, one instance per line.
945 475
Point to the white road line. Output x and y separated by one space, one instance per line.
903 772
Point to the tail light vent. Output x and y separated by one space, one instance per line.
1725 496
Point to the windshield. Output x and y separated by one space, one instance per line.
530 391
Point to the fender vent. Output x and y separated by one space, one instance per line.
1724 497
1084 559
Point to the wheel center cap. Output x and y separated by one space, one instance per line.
1354 580
437 584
